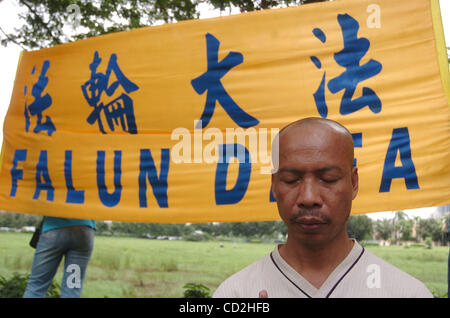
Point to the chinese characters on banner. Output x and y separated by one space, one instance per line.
175 123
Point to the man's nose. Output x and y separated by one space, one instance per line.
309 194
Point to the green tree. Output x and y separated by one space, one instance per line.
447 227
397 221
405 227
359 227
384 228
51 22
432 228
101 226
17 220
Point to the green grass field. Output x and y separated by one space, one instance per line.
133 267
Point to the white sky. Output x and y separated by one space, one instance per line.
9 57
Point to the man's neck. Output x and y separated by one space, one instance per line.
316 262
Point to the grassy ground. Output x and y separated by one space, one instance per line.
132 267
428 265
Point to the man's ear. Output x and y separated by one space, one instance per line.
355 182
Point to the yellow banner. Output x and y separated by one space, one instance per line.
174 123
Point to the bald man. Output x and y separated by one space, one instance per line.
314 188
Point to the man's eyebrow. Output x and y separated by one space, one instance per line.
329 168
289 170
322 170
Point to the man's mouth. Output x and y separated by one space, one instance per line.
310 223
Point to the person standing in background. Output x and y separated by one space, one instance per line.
71 238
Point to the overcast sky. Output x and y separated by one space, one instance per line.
9 57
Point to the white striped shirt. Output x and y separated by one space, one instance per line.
360 275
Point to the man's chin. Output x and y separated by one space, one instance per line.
316 236
310 238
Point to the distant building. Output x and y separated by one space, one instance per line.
443 209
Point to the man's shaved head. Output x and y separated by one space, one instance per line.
318 121
321 124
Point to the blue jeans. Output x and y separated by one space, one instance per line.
76 244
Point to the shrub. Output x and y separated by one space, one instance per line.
196 291
14 287
428 242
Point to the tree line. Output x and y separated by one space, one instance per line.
401 228
194 231
266 230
